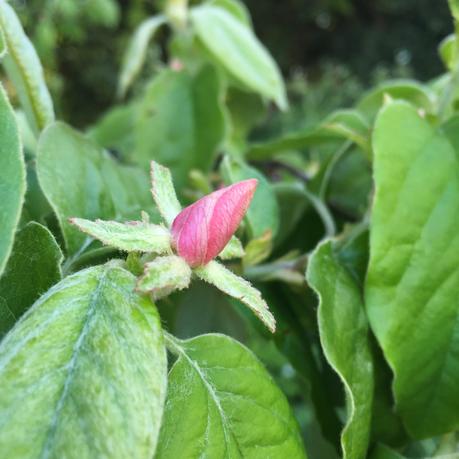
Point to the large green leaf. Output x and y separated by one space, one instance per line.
344 335
181 122
83 373
24 69
222 403
263 213
412 284
12 178
33 267
234 46
81 180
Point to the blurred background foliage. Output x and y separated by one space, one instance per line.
329 50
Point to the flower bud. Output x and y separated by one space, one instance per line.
202 230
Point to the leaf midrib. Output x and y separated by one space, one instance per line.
73 363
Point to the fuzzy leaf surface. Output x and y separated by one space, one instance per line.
83 373
134 236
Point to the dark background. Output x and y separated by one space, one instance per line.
335 48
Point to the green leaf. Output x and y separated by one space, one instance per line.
342 124
234 46
136 52
263 213
411 91
25 71
237 287
83 373
131 236
164 275
221 402
257 250
12 178
344 336
383 452
447 51
235 8
81 180
412 284
33 267
181 122
115 129
163 191
232 250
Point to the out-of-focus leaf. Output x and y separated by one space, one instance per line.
350 185
24 70
419 95
115 129
12 178
83 373
258 249
181 122
237 287
447 51
344 335
245 110
136 52
81 180
221 402
412 284
263 213
383 452
343 124
234 46
33 267
236 8
232 250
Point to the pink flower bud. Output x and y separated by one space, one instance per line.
201 231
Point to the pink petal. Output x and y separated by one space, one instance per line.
201 231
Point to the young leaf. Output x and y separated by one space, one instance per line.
24 70
232 250
37 258
181 122
163 191
237 287
164 275
237 49
81 180
412 283
131 236
137 50
83 373
263 213
221 402
12 178
344 336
